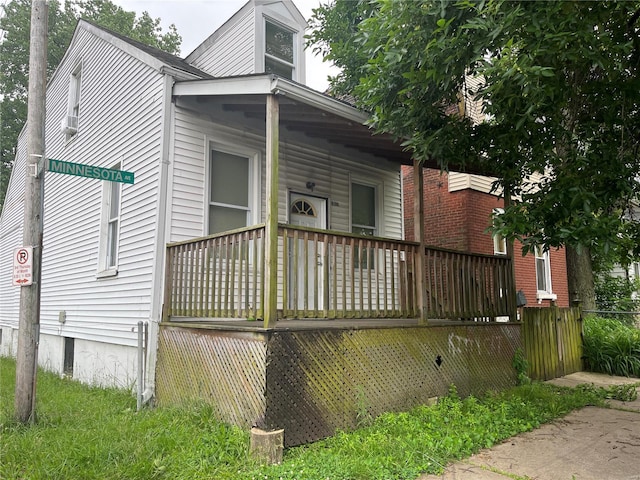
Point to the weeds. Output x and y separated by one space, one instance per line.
521 366
93 433
611 347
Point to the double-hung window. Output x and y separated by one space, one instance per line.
543 273
499 242
229 192
279 50
110 227
363 220
70 122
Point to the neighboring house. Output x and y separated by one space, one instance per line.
458 218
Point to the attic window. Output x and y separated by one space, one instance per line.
279 53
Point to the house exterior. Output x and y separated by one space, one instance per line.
258 261
193 131
461 207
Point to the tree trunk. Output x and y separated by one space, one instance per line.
580 278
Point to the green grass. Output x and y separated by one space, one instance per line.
93 433
611 347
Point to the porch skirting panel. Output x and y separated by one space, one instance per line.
313 382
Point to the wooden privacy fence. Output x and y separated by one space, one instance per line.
468 286
552 338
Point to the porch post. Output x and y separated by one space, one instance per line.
271 223
418 226
511 280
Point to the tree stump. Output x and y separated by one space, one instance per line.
267 447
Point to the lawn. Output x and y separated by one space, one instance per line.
94 433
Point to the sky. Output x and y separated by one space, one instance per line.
195 20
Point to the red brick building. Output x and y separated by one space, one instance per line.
458 210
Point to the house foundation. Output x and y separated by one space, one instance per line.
314 378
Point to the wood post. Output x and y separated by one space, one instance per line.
418 226
271 227
29 322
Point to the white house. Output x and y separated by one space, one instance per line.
204 137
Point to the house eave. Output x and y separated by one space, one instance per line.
267 84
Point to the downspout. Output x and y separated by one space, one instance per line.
157 281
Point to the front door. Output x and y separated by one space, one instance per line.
305 266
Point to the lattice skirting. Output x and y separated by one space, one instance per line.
314 382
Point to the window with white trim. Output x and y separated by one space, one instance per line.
499 242
70 122
363 220
110 226
229 205
543 272
279 50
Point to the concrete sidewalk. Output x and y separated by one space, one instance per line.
589 444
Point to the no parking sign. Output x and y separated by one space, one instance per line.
23 266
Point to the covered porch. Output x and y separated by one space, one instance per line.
278 269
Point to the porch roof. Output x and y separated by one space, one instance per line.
302 109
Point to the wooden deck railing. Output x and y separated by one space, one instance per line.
220 276
468 286
339 275
326 274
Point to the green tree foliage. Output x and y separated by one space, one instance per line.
14 55
560 90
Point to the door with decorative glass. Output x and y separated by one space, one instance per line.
306 269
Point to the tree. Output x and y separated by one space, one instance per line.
560 91
14 55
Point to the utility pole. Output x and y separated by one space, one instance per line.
29 326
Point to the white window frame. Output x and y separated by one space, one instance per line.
543 256
253 202
108 266
73 109
294 45
377 228
499 242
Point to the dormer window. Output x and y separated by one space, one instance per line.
279 50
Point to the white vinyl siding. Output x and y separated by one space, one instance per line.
121 127
229 51
299 163
11 226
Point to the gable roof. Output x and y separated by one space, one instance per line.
163 57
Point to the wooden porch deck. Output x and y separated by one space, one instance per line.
315 324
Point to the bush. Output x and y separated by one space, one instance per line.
616 294
612 347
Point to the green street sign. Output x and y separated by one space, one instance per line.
89 171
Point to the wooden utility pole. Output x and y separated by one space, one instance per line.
29 326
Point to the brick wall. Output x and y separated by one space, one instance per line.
459 221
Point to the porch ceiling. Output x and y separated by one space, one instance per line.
315 123
302 110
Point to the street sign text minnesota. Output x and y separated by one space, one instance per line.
89 171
